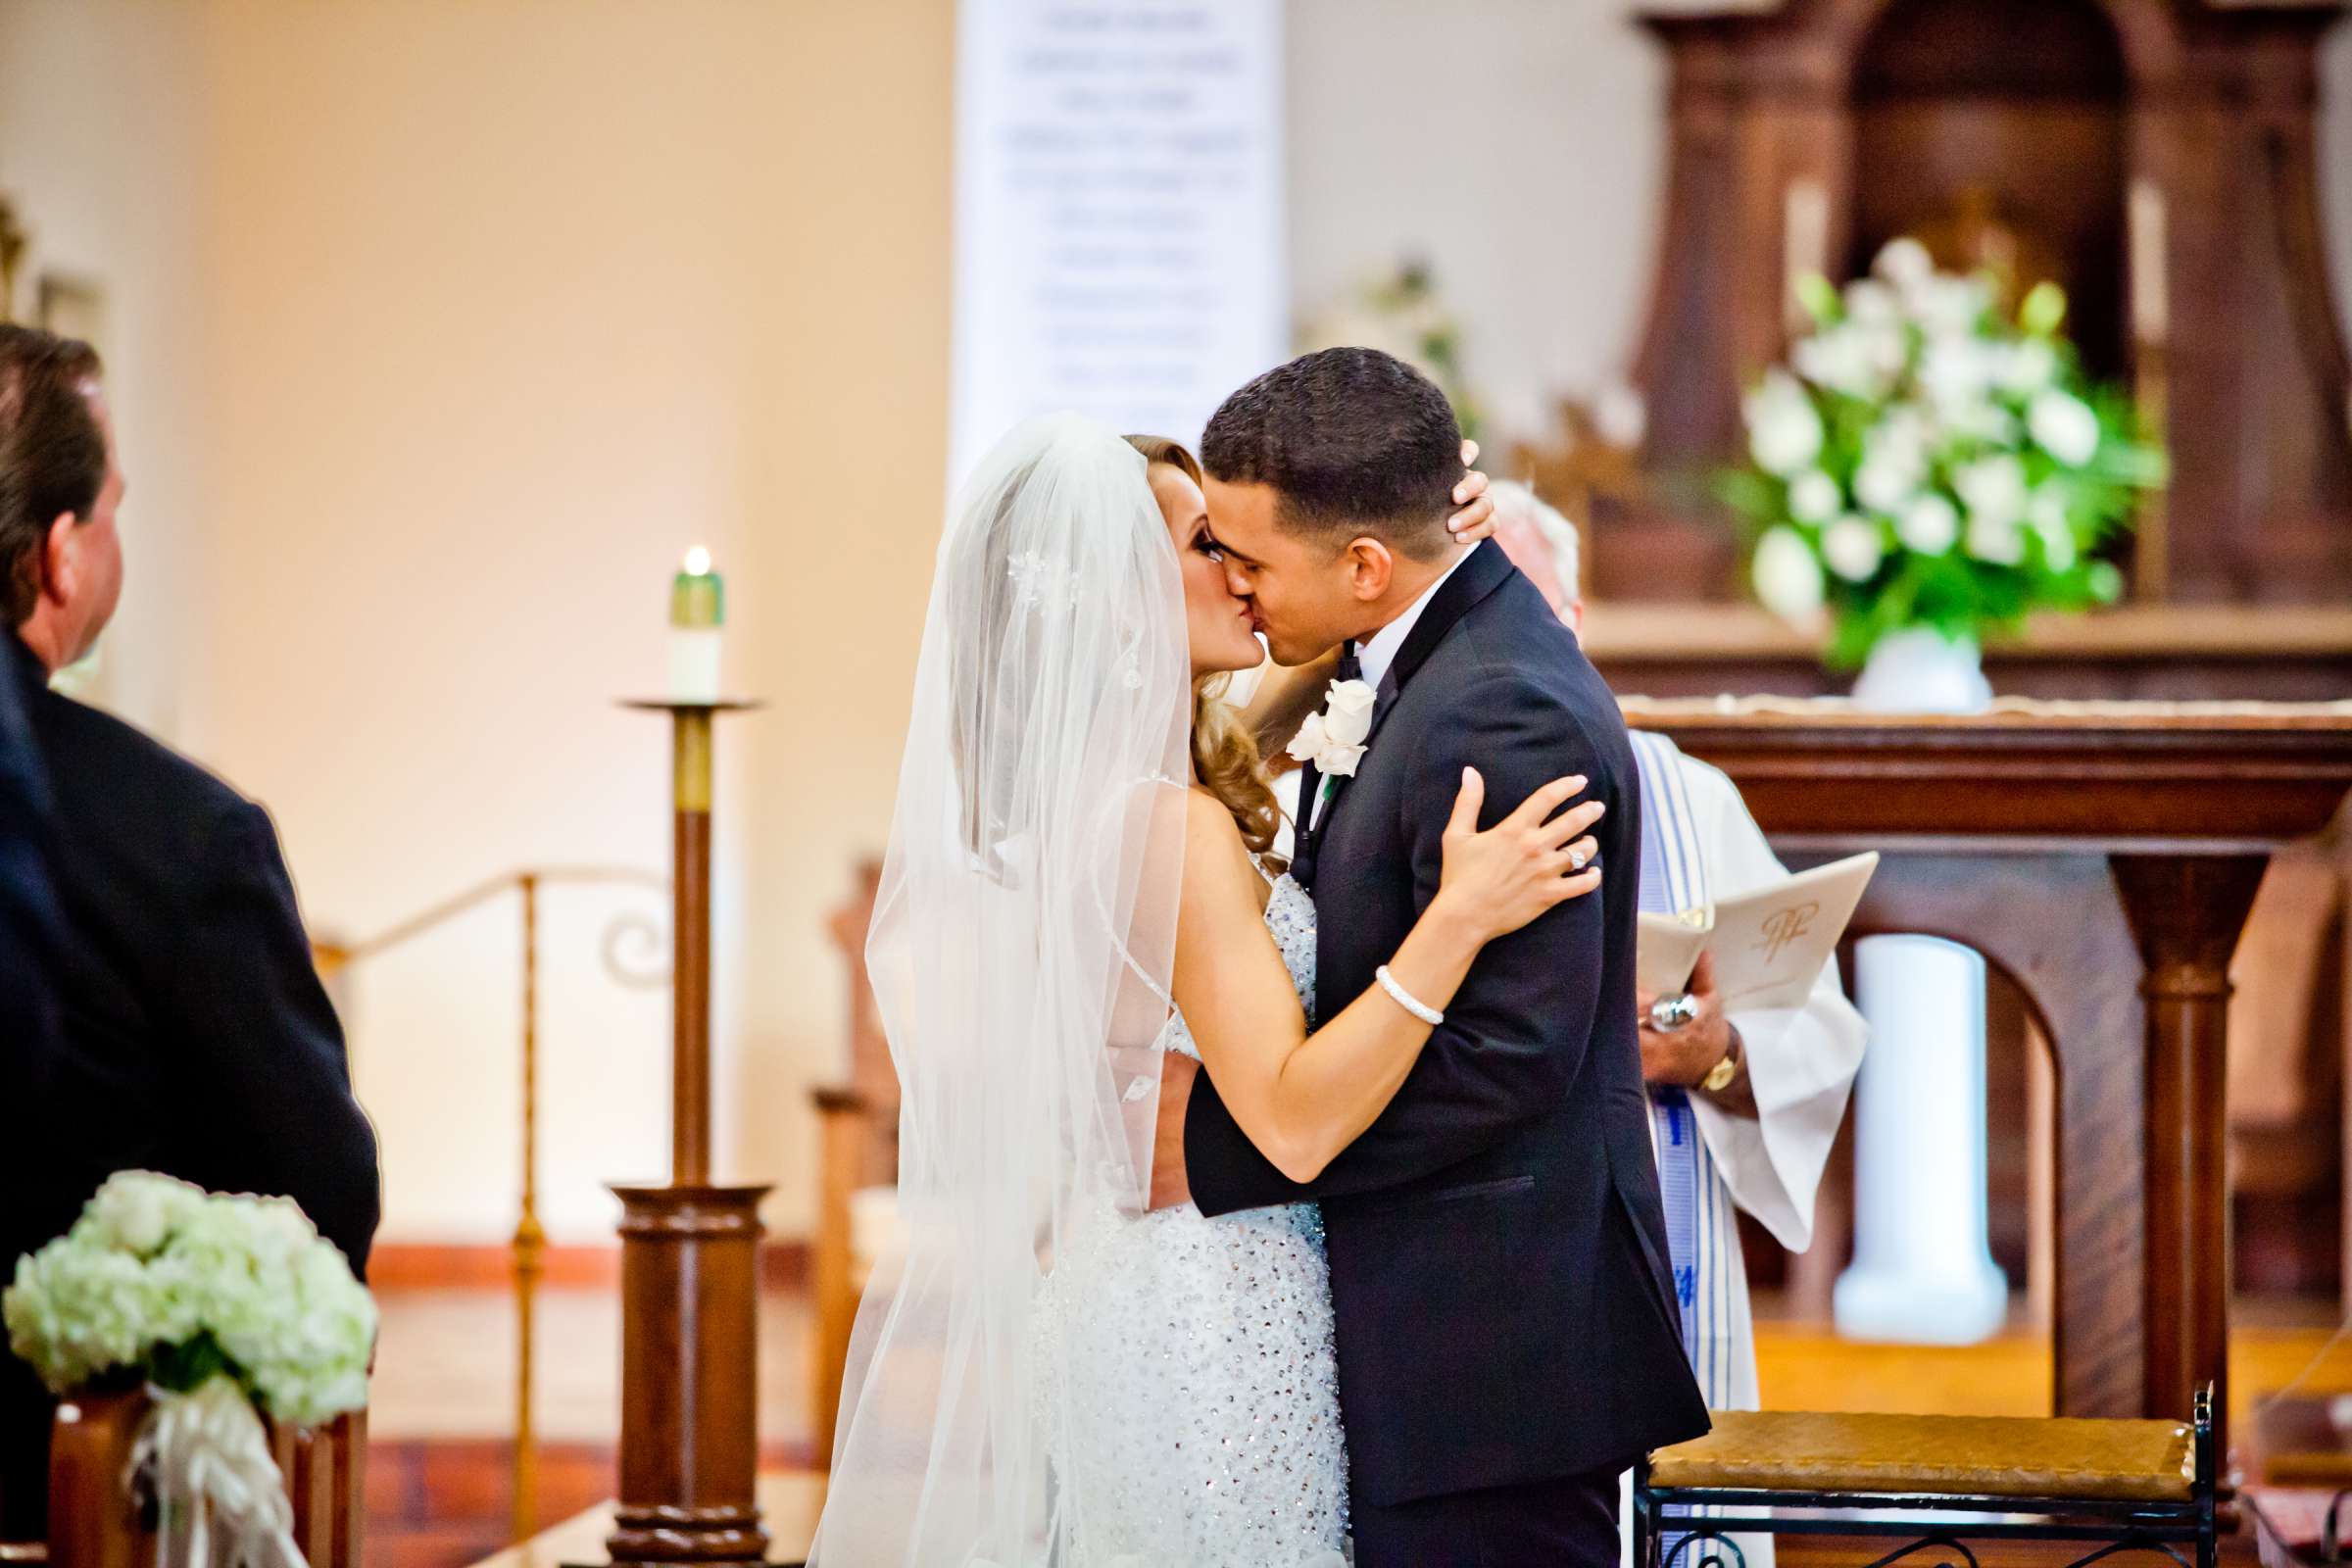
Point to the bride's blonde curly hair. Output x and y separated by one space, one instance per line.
1225 752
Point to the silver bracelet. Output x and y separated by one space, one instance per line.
1406 1000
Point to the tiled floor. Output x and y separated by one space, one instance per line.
441 1418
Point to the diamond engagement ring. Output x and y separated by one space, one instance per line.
1576 859
1669 1013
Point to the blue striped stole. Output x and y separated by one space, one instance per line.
1674 878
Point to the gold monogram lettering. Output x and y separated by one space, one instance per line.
1784 926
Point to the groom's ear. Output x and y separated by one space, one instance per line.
1371 567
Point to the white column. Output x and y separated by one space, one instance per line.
1923 1271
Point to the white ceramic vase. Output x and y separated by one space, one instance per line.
1920 671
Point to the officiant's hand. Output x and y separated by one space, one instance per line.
1169 1186
1683 1058
1475 520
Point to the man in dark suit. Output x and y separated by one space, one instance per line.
29 942
195 1037
29 948
1507 1337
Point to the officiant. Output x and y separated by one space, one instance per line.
28 1046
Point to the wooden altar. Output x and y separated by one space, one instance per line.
2104 857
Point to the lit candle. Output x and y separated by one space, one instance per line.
697 607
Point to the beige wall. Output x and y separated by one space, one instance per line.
2335 161
100 131
507 302
1518 145
524 298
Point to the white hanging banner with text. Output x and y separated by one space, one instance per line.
1119 212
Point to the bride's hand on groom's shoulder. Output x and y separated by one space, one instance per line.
1475 520
1496 881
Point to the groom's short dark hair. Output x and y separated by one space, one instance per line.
1354 441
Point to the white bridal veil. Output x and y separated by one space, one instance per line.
1020 954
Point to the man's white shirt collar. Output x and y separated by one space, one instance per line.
1378 651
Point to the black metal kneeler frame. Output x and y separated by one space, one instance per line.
1703 1542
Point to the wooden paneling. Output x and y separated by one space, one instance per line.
96 1521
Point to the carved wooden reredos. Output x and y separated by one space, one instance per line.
2160 156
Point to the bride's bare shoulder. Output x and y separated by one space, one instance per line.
1204 811
1218 874
1208 822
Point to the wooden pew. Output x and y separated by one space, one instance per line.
835 1279
95 1522
857 1148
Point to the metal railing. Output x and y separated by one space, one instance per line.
622 934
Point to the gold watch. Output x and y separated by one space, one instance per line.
1718 1077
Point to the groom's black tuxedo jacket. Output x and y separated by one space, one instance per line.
194 1035
1498 1266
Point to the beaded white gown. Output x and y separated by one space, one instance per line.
1202 1400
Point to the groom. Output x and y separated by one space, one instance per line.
1506 1332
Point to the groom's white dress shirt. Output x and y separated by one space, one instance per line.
1378 651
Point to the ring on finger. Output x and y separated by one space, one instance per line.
1669 1013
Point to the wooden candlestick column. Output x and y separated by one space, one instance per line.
690 1255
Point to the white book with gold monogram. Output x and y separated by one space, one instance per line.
1768 943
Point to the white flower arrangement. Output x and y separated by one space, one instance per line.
1924 461
218 1305
1401 314
160 1281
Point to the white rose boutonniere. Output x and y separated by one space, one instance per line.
1334 739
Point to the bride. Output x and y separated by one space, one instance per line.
1080 880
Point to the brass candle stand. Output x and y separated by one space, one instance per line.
689 1269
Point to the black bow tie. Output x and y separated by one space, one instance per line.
1308 830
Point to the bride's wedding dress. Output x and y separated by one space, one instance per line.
1189 1368
1040 1377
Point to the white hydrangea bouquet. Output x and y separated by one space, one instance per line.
1924 463
226 1308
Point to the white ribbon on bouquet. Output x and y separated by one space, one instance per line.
222 1502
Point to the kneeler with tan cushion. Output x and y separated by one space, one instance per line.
1986 1456
1942 1479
